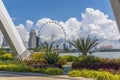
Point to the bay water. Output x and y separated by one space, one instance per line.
98 54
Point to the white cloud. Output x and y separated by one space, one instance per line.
29 24
94 22
97 23
14 19
23 32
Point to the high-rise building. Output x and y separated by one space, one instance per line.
4 43
38 42
32 39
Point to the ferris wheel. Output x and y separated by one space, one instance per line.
52 35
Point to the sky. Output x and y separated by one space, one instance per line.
60 10
77 17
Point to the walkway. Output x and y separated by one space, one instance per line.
4 75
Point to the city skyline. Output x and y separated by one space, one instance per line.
79 18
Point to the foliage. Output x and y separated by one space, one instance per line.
47 47
6 56
54 71
38 70
38 56
17 68
69 58
88 59
42 64
52 57
62 61
74 73
12 65
92 62
99 75
20 66
85 45
2 51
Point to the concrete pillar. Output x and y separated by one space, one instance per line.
11 34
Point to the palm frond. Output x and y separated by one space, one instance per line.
84 45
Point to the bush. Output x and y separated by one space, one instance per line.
88 59
62 61
54 71
38 70
20 66
105 77
16 68
42 64
99 75
7 56
52 57
74 73
91 62
38 56
69 58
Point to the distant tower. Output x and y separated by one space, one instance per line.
38 42
4 43
32 39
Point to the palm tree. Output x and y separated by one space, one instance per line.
84 45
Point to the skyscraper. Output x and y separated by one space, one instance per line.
32 39
38 42
4 43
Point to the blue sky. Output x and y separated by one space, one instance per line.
60 10
78 17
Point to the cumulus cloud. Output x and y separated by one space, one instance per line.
29 25
97 23
93 22
23 32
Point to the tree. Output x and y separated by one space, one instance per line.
85 45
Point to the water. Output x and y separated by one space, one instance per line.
98 54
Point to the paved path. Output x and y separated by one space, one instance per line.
67 68
4 75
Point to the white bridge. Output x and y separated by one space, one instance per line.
13 38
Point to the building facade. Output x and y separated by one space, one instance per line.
4 43
32 39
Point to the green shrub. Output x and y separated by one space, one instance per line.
106 76
52 57
20 66
54 71
62 61
16 68
38 70
69 58
74 73
99 75
6 56
88 59
38 56
95 63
